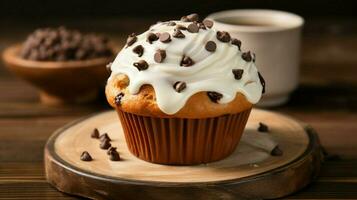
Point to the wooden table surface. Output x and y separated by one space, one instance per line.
326 99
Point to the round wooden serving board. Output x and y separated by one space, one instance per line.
250 172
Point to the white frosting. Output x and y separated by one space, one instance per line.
212 71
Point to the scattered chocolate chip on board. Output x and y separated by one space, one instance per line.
105 144
85 156
276 151
104 136
114 156
95 133
263 127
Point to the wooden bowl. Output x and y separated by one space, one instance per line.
60 82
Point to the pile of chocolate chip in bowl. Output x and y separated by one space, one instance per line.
62 44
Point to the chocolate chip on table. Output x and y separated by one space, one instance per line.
105 144
223 36
85 156
238 73
151 37
186 61
141 65
171 23
139 50
178 34
180 27
179 86
114 156
247 56
95 133
118 98
104 137
208 23
214 96
109 67
111 149
159 56
276 151
236 42
193 28
262 81
165 37
263 127
131 39
210 46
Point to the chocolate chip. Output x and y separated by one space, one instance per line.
237 73
190 18
254 57
159 56
180 27
246 56
131 39
214 96
276 151
193 17
223 36
114 156
186 61
104 137
179 86
138 50
165 37
105 144
208 23
141 65
151 37
263 127
185 19
178 34
95 133
118 98
193 28
111 149
85 156
201 26
108 67
236 42
171 24
262 81
210 46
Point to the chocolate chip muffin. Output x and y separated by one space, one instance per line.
183 92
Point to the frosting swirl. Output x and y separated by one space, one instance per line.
180 63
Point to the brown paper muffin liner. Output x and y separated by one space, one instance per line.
180 141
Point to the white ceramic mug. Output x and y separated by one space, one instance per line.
274 36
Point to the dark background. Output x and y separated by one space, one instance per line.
37 9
